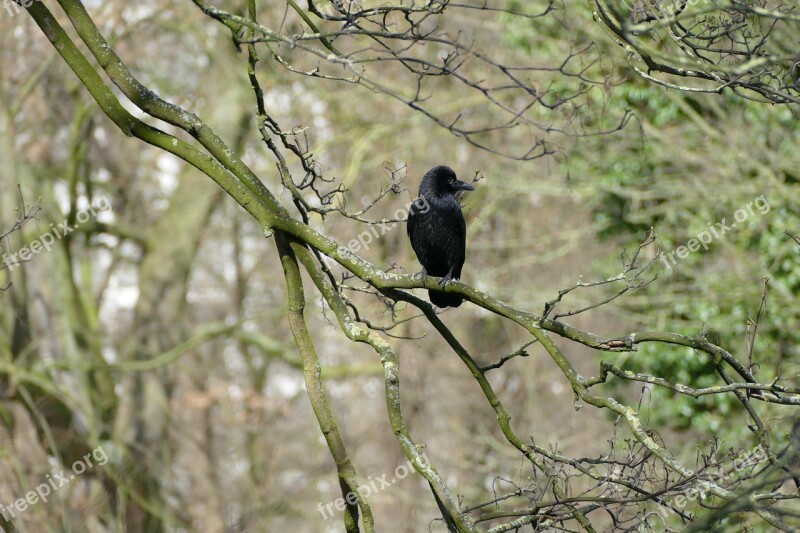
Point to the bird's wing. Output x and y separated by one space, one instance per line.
411 223
460 244
414 228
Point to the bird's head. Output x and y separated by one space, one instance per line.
440 181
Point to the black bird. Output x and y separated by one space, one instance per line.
437 230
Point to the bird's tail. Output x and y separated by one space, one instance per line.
444 299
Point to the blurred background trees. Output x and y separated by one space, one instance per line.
158 331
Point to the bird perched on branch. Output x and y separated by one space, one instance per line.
438 232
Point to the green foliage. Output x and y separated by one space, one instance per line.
668 409
695 168
685 163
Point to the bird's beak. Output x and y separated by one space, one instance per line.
462 186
